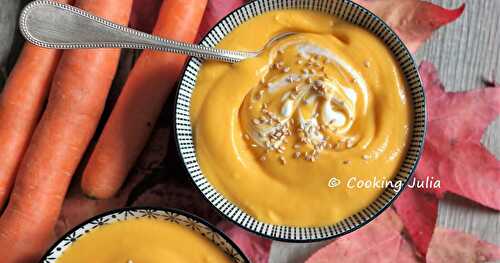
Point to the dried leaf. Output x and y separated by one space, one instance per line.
453 155
453 152
379 241
454 246
413 20
418 212
256 248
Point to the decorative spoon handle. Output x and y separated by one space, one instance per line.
54 25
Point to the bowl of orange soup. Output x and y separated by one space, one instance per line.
314 137
144 234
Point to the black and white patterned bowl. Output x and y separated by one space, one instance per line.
172 215
345 10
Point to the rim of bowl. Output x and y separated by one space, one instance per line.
410 171
146 208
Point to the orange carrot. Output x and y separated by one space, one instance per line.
75 104
21 104
141 101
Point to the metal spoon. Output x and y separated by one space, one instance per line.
54 25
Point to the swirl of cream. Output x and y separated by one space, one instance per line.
306 91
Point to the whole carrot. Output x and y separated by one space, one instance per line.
75 104
140 102
21 103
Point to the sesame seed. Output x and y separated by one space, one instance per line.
246 136
254 145
346 162
286 69
256 121
282 160
300 62
296 146
263 158
366 63
296 155
365 157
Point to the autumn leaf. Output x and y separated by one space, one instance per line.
454 246
453 155
418 212
413 20
453 152
379 241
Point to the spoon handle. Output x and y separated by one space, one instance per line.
51 24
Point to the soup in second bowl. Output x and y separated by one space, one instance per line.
143 240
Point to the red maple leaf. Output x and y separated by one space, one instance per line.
453 155
413 20
455 246
418 212
453 152
378 241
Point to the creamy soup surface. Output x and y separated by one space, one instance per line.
271 132
143 241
